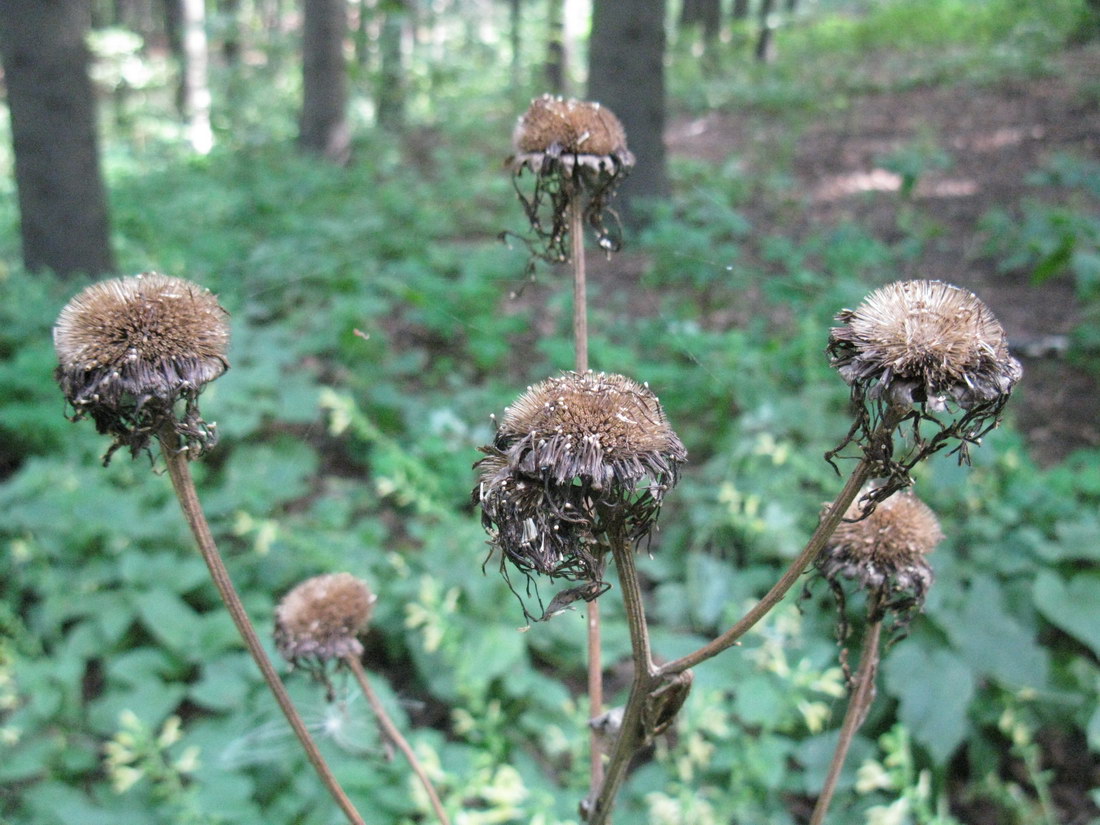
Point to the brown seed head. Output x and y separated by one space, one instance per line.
924 342
129 348
321 617
575 457
554 125
885 550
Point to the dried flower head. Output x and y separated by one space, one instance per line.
924 342
576 458
927 352
576 149
129 348
321 617
884 551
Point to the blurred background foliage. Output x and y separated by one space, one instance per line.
124 694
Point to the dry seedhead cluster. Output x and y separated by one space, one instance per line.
576 459
320 619
575 149
130 349
927 353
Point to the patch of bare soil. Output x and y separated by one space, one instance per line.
995 137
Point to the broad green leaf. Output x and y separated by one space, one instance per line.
934 689
1073 606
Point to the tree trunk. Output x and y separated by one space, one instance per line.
324 126
230 11
740 9
62 203
626 73
196 85
765 43
704 13
514 20
391 92
555 68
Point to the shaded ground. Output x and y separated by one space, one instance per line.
994 137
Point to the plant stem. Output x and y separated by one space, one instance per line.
858 705
825 529
394 735
580 344
184 485
645 680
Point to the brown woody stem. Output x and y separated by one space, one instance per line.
858 705
184 485
394 735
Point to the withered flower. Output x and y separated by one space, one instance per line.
884 551
576 149
130 348
576 458
320 618
926 352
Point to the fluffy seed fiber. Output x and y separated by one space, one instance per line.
321 617
554 125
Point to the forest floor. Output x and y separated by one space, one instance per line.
995 136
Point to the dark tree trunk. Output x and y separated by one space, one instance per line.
765 42
391 92
62 203
230 11
555 47
514 20
324 125
740 9
626 73
704 13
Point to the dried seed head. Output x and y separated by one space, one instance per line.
924 342
321 617
552 124
129 348
885 551
577 152
576 457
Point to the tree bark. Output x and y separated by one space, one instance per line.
196 84
626 74
765 42
554 71
704 13
323 128
391 90
740 9
62 202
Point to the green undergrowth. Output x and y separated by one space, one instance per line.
373 334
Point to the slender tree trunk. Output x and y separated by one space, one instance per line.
626 73
62 202
514 19
230 10
196 85
740 9
391 91
555 68
704 13
765 42
324 125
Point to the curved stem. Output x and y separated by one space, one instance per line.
184 485
394 735
825 529
858 705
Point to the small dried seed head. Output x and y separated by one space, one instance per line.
129 348
552 124
924 342
575 457
885 551
321 617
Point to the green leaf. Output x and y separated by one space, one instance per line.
1074 606
169 618
934 689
